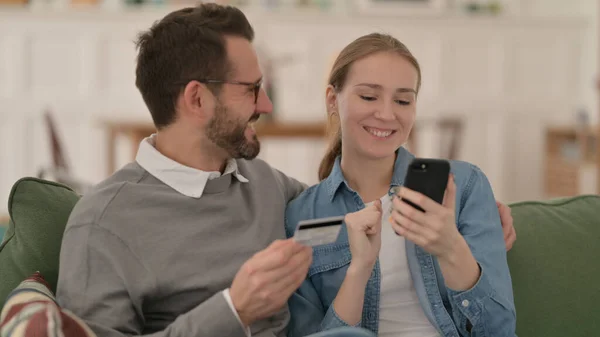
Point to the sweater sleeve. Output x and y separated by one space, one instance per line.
103 282
292 187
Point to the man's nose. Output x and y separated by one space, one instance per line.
263 103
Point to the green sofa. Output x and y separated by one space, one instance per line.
38 211
3 228
555 268
553 262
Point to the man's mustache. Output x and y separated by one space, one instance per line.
254 117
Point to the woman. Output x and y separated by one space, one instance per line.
395 270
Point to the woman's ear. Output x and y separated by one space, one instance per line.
331 99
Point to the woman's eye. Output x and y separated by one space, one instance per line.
401 102
367 98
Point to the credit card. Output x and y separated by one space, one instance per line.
317 232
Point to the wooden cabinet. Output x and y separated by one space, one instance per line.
570 161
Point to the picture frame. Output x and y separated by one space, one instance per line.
401 7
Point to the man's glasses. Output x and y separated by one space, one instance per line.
255 87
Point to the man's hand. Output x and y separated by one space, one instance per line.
265 282
510 235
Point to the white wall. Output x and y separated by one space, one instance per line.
587 9
507 76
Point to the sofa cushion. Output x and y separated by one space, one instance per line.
554 266
31 311
39 211
2 231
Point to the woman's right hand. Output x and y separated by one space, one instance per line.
364 236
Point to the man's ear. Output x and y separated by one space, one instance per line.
196 99
331 99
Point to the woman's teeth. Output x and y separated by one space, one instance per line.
377 133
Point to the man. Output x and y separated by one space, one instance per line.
186 240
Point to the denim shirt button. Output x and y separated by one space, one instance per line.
371 315
465 303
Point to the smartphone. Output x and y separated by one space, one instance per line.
428 177
320 231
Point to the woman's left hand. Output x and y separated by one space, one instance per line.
435 229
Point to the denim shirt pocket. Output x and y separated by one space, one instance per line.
328 270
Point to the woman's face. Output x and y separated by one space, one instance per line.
376 105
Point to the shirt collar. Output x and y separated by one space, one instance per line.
336 177
184 179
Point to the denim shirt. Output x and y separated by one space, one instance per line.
487 309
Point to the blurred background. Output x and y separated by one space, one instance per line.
509 85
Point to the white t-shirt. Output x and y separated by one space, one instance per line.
400 313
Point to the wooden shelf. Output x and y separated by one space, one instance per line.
136 131
265 129
291 130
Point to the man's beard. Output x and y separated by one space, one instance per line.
230 134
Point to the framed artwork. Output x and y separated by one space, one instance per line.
401 7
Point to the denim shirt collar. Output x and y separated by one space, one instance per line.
336 177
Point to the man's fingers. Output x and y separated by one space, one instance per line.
288 244
510 239
298 259
301 273
503 209
294 284
277 243
274 246
506 230
296 270
507 225
276 255
285 287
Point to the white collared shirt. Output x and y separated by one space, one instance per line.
185 180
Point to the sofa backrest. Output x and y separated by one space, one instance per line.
555 268
39 211
2 231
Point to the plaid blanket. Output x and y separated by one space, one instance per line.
31 310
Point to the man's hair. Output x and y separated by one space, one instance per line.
188 44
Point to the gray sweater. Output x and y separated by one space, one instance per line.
139 258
